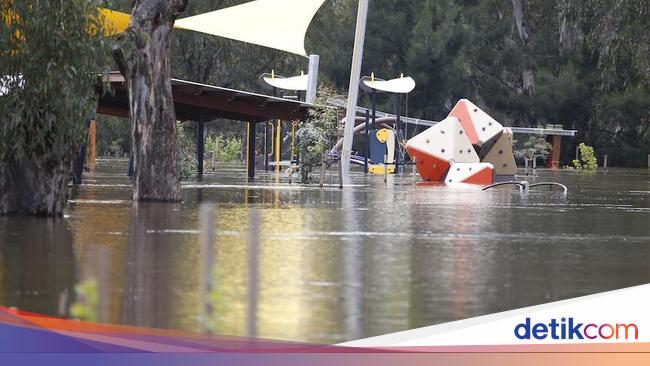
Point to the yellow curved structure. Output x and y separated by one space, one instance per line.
114 22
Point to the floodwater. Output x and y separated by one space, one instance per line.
300 263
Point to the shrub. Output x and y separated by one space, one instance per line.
187 151
228 149
587 161
318 134
534 147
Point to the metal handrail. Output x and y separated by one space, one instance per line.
521 185
524 186
551 185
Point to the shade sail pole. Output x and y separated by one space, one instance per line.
353 92
312 81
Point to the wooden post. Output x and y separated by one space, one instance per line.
200 147
91 161
250 156
554 163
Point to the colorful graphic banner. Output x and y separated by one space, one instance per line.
599 329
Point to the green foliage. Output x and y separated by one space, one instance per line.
587 161
533 147
228 149
113 136
85 308
50 64
186 150
318 134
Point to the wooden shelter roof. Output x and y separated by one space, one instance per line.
200 102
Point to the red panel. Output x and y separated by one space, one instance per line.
483 177
554 161
463 113
431 168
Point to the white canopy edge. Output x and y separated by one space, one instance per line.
402 85
278 24
295 83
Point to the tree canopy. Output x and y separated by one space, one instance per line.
584 65
48 72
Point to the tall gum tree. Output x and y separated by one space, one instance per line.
51 54
142 53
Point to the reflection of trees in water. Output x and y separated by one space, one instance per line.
161 279
453 273
100 248
37 265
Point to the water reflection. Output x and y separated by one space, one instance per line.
300 263
37 271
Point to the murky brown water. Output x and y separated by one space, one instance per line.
331 266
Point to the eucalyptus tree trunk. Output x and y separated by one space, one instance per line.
35 187
142 54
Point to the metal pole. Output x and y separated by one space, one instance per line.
605 163
293 141
353 91
266 145
251 151
312 78
414 159
374 108
366 143
278 145
200 147
398 150
526 166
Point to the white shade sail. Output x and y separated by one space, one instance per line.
295 83
402 85
278 24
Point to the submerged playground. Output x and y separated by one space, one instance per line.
406 223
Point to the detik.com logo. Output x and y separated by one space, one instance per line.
568 328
